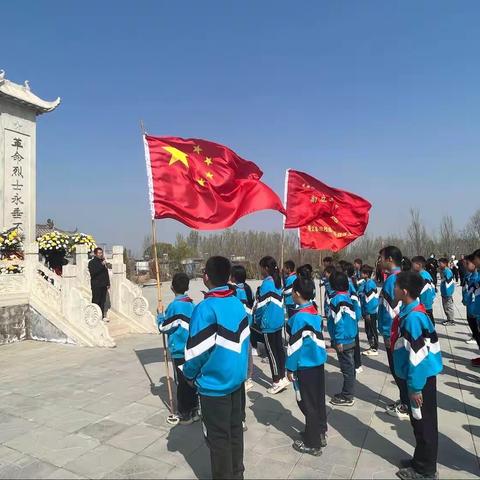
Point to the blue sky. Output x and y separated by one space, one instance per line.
380 98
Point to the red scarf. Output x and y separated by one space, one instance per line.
220 293
185 299
395 330
310 309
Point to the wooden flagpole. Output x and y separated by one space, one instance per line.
172 419
320 288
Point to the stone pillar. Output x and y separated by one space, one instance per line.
30 262
69 279
118 275
19 108
81 261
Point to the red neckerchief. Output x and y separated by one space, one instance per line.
220 293
395 330
310 309
185 299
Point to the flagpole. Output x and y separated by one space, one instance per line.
172 419
320 289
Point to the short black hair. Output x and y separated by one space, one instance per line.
349 269
239 274
339 282
290 264
330 269
419 259
305 287
406 264
218 270
367 270
470 258
476 253
97 249
443 260
180 282
328 260
392 252
358 260
305 271
412 282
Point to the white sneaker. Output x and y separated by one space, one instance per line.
393 406
254 352
400 412
371 352
278 386
359 370
248 384
470 341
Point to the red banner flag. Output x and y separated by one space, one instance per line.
203 184
328 218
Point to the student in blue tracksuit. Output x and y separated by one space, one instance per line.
269 319
417 360
468 297
447 287
343 328
369 300
475 287
306 356
216 361
357 265
329 292
238 278
352 289
289 276
392 261
427 295
175 324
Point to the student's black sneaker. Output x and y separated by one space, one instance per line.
405 463
410 473
323 439
341 401
299 446
185 418
195 415
448 323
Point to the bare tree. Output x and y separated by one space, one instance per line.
417 234
448 238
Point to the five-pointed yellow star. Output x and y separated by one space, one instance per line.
197 149
209 175
177 156
208 161
201 181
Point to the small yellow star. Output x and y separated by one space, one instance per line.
208 161
209 175
201 181
177 156
197 149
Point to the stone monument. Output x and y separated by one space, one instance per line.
19 108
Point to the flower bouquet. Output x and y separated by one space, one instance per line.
11 243
82 239
53 241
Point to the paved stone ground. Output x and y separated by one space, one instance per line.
70 412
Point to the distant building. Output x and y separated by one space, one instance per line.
142 267
193 266
49 227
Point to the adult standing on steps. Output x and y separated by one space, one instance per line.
99 279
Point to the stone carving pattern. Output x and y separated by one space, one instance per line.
13 283
92 315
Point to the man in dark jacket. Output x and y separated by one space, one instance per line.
99 279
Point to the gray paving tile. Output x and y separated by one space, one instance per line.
133 414
136 438
141 467
103 430
27 467
98 462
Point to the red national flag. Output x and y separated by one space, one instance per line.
328 218
203 184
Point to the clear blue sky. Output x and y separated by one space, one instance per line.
381 98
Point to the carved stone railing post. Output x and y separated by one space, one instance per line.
119 274
81 260
30 262
69 275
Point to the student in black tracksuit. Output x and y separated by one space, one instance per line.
99 279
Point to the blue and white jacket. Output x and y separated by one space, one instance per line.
216 355
368 294
287 291
427 295
342 323
388 308
476 306
306 346
268 314
329 293
447 285
468 292
242 296
416 350
175 324
352 290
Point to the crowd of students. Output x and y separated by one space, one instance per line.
213 343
